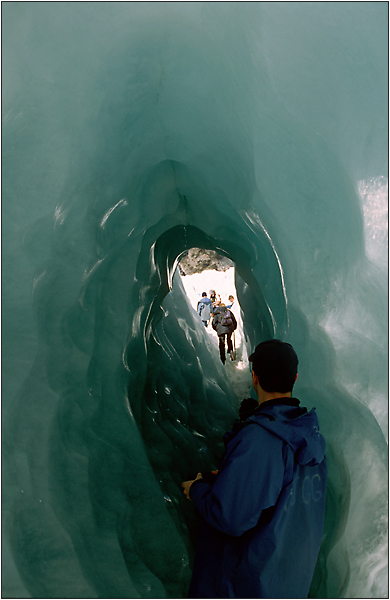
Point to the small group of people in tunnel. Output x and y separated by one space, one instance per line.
223 321
262 512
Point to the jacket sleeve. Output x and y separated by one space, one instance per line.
249 480
234 321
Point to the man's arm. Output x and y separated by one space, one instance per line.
249 481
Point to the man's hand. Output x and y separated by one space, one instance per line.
187 484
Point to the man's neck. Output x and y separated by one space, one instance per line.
264 396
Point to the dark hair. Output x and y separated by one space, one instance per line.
276 365
204 294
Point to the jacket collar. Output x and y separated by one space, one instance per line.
284 401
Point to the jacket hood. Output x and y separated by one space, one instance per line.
295 426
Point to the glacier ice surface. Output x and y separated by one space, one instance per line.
131 133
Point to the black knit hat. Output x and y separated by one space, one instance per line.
276 365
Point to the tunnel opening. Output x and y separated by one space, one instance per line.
178 390
170 357
166 323
204 271
164 255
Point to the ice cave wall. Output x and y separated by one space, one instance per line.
132 132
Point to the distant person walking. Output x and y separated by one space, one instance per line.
205 309
215 298
224 323
231 300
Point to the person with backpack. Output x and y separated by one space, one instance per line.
205 309
224 323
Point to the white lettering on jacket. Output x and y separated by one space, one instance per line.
309 491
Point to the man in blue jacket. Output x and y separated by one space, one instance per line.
263 514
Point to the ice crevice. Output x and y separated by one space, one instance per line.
134 132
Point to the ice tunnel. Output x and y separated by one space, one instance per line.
132 132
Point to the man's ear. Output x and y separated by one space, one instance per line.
255 379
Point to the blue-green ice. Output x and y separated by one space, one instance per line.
133 131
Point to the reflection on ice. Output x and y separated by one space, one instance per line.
374 194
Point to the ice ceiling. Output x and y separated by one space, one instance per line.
131 133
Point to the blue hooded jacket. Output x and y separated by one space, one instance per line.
263 516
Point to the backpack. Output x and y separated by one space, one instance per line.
227 320
204 310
